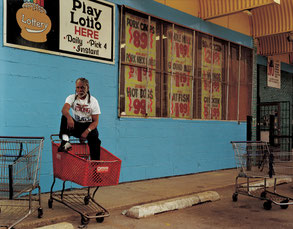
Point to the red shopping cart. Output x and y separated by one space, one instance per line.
76 167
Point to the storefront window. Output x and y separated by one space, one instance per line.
175 72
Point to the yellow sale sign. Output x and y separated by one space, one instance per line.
211 93
140 49
180 47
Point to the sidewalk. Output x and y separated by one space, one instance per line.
126 195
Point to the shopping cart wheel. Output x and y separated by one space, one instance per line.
267 205
100 219
84 220
263 194
50 203
86 200
284 202
235 197
40 213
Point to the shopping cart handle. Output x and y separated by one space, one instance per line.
247 142
22 137
52 137
15 156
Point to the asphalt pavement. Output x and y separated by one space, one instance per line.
135 199
127 195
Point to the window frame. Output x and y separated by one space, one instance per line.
195 75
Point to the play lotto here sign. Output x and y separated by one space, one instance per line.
76 28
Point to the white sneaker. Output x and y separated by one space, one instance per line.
65 146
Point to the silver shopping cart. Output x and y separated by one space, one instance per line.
20 159
255 160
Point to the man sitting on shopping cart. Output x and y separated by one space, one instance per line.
84 120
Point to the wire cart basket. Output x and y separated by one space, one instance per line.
76 167
20 159
255 160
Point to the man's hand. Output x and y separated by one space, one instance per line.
70 123
82 140
65 112
84 135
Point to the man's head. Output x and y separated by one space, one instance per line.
82 87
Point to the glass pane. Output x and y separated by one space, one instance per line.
179 67
137 47
245 83
233 82
181 95
210 82
205 58
138 81
217 77
139 90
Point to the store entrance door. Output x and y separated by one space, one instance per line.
275 125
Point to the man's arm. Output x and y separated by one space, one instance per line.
92 126
65 112
95 122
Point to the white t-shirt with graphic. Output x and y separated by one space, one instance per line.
82 111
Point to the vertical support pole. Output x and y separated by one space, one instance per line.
258 105
249 128
10 167
211 80
172 73
148 68
120 66
228 80
239 84
193 77
272 127
162 102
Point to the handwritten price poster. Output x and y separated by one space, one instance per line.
140 92
180 48
137 37
140 50
211 98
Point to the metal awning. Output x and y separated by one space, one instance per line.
271 21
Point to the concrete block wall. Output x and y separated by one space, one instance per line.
33 88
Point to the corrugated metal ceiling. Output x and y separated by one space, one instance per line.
271 21
210 9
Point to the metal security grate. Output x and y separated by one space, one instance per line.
282 127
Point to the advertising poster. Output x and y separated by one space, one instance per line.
211 92
140 84
139 92
274 73
81 29
180 89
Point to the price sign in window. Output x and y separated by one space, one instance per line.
140 81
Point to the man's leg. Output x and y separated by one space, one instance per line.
64 135
63 127
94 144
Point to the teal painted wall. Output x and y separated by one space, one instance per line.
33 88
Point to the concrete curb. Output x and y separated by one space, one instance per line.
150 209
63 225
